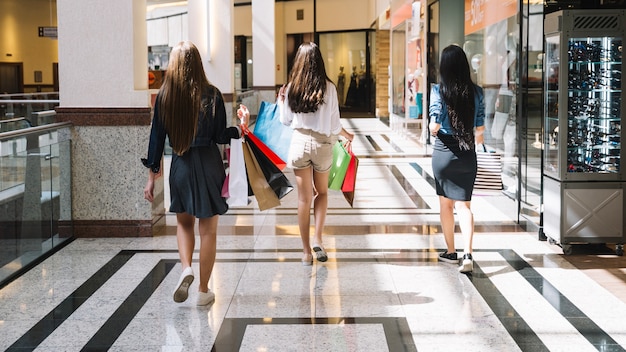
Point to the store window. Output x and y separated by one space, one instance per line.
492 45
349 65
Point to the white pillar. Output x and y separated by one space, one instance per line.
264 48
103 84
103 53
211 30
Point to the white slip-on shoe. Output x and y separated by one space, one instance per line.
467 265
205 298
182 288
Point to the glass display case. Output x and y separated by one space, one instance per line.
583 180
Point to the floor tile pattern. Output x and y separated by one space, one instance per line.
382 288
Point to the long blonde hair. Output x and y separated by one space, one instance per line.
181 95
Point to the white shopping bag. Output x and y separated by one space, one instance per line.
237 177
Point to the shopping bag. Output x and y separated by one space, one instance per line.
276 178
237 177
271 131
489 170
341 159
349 181
225 193
265 196
269 153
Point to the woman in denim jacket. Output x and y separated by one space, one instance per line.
457 113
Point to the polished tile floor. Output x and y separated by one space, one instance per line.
381 290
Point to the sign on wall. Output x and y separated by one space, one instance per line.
48 32
482 13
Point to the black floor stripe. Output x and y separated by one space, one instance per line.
125 313
425 175
515 325
411 192
393 145
231 333
373 143
46 326
520 331
585 326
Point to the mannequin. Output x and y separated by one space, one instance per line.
341 83
489 78
352 98
510 130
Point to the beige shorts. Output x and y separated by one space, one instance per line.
310 148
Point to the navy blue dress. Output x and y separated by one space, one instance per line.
197 176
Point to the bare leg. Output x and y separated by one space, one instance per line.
320 203
446 214
305 193
208 248
185 238
466 223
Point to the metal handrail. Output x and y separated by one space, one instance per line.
15 119
28 101
31 130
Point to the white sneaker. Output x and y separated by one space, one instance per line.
182 288
205 298
467 265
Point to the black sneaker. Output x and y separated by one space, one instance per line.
467 266
448 257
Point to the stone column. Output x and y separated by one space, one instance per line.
103 75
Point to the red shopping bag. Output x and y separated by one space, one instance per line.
266 150
348 185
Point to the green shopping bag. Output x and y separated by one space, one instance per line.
341 160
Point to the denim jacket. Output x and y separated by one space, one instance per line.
211 128
439 111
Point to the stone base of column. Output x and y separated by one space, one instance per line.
117 228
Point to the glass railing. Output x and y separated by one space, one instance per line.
31 109
35 195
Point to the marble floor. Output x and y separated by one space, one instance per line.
382 288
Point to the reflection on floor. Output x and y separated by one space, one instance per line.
381 290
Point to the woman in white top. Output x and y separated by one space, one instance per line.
308 103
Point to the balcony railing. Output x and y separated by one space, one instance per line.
35 194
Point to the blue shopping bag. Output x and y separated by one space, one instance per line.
271 131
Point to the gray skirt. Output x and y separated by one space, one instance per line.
454 170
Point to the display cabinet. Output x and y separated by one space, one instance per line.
582 178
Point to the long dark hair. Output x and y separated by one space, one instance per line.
457 92
307 80
181 95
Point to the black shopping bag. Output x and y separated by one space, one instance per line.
275 178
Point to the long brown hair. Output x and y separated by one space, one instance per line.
307 81
181 95
457 91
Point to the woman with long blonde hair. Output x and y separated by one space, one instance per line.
191 112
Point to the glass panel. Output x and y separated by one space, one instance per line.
492 53
532 107
345 56
551 132
593 112
34 188
36 108
398 74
